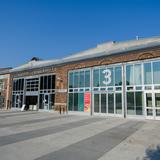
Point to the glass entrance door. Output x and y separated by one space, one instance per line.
17 101
46 101
107 103
157 105
152 105
148 99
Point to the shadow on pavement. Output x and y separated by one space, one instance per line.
153 153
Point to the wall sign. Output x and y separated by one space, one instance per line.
107 76
61 90
87 101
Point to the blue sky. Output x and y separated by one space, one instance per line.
52 29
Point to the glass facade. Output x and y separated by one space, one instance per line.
107 89
17 93
78 84
37 91
138 90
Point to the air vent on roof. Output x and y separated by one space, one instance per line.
35 59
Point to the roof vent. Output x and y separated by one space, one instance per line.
35 59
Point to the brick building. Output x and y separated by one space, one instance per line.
4 88
113 79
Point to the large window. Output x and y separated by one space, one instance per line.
156 72
76 79
102 77
71 80
96 77
79 79
135 103
47 92
107 76
103 103
138 74
76 102
87 78
118 76
118 103
129 75
111 103
96 102
32 84
107 88
134 74
147 73
18 85
47 82
79 83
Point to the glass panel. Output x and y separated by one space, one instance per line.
41 103
118 76
46 99
110 102
51 101
45 82
137 74
14 85
130 103
139 103
156 72
148 99
19 84
75 79
87 78
103 103
157 112
118 103
75 101
53 81
129 74
149 112
49 82
81 102
81 79
70 105
147 73
96 102
71 80
157 99
111 77
102 77
46 102
96 78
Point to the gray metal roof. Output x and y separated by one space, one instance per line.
105 49
5 70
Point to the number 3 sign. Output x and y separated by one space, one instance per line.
107 76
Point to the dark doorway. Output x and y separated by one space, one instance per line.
31 100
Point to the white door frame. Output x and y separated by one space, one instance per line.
153 107
46 105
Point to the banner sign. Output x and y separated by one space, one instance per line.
87 102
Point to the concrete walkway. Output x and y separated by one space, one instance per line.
49 136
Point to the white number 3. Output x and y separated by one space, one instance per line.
107 76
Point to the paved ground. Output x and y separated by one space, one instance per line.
49 136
